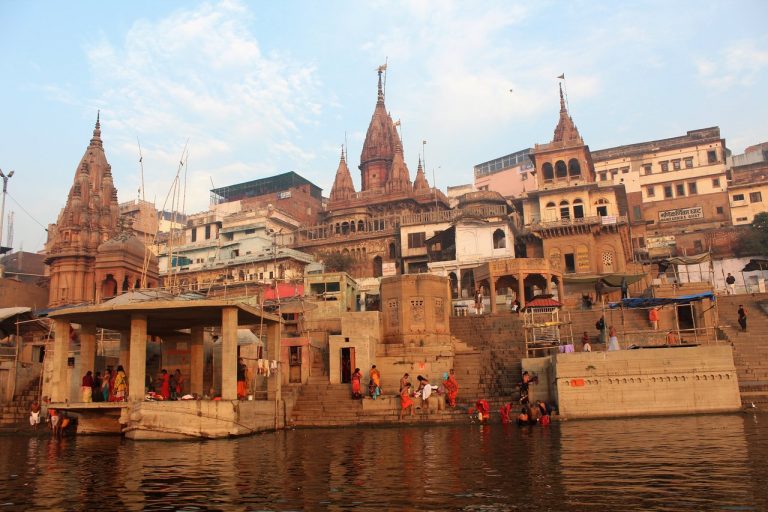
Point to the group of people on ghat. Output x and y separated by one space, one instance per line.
449 387
112 386
167 386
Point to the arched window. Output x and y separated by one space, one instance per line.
565 210
392 251
547 172
352 226
499 239
574 169
344 228
377 267
360 225
601 207
126 284
550 213
578 209
454 285
560 170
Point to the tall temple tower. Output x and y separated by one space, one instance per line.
89 218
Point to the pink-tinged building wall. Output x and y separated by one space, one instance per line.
510 175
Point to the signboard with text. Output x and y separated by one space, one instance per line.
388 269
678 214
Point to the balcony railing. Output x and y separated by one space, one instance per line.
581 221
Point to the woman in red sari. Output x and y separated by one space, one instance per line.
451 389
405 399
165 384
355 379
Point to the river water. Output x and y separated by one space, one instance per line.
676 463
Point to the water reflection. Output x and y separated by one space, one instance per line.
686 463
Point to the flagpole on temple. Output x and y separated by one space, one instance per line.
565 91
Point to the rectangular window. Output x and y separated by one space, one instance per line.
624 170
741 219
647 169
716 182
208 232
570 263
416 240
676 164
637 212
719 210
194 234
680 189
668 192
650 192
738 197
688 162
614 172
641 241
603 176
712 156
664 166
692 188
755 197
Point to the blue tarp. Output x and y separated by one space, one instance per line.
660 301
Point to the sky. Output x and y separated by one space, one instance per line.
246 90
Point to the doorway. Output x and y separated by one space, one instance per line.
347 364
685 316
294 365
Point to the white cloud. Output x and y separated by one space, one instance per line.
200 74
739 64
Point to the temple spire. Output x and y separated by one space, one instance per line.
420 183
381 90
562 99
96 139
343 188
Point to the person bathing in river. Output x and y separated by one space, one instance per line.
405 399
425 389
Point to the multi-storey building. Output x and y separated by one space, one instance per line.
576 222
510 175
748 188
676 190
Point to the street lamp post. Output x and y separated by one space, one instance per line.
2 208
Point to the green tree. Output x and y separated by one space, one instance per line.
754 240
338 262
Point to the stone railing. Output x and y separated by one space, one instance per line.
582 221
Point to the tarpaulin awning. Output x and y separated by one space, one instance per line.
755 264
688 260
613 280
660 301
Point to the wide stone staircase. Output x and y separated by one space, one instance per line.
321 404
16 412
750 349
493 367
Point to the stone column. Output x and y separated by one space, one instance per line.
229 353
196 361
87 348
560 289
274 382
59 388
492 286
521 289
138 357
125 351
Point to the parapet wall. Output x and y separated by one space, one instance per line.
658 381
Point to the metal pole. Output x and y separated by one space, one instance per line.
2 208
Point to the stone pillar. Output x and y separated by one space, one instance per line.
125 351
196 361
87 348
521 289
138 358
560 289
229 353
274 382
492 286
59 388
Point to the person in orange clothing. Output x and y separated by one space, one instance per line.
405 400
242 369
451 388
165 384
653 318
374 385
